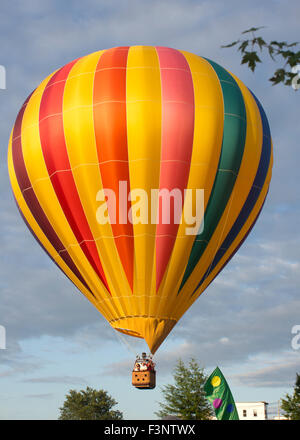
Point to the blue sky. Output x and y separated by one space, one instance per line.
242 323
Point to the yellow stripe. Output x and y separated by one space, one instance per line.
143 97
242 187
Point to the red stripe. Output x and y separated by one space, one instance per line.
111 139
58 165
31 199
177 144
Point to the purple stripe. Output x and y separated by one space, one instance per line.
31 199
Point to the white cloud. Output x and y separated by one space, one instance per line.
72 380
278 372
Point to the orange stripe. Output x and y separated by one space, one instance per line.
111 139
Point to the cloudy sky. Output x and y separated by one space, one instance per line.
55 340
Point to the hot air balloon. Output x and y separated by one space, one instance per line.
104 144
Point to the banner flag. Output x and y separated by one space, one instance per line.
219 395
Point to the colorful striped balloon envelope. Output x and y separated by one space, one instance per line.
140 171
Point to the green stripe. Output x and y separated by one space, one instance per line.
233 144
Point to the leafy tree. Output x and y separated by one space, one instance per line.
285 52
89 404
186 398
291 404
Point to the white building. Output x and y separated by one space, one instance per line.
252 410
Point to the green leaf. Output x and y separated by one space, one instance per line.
243 46
253 29
294 59
261 43
271 51
285 53
231 44
279 76
251 58
289 78
279 44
